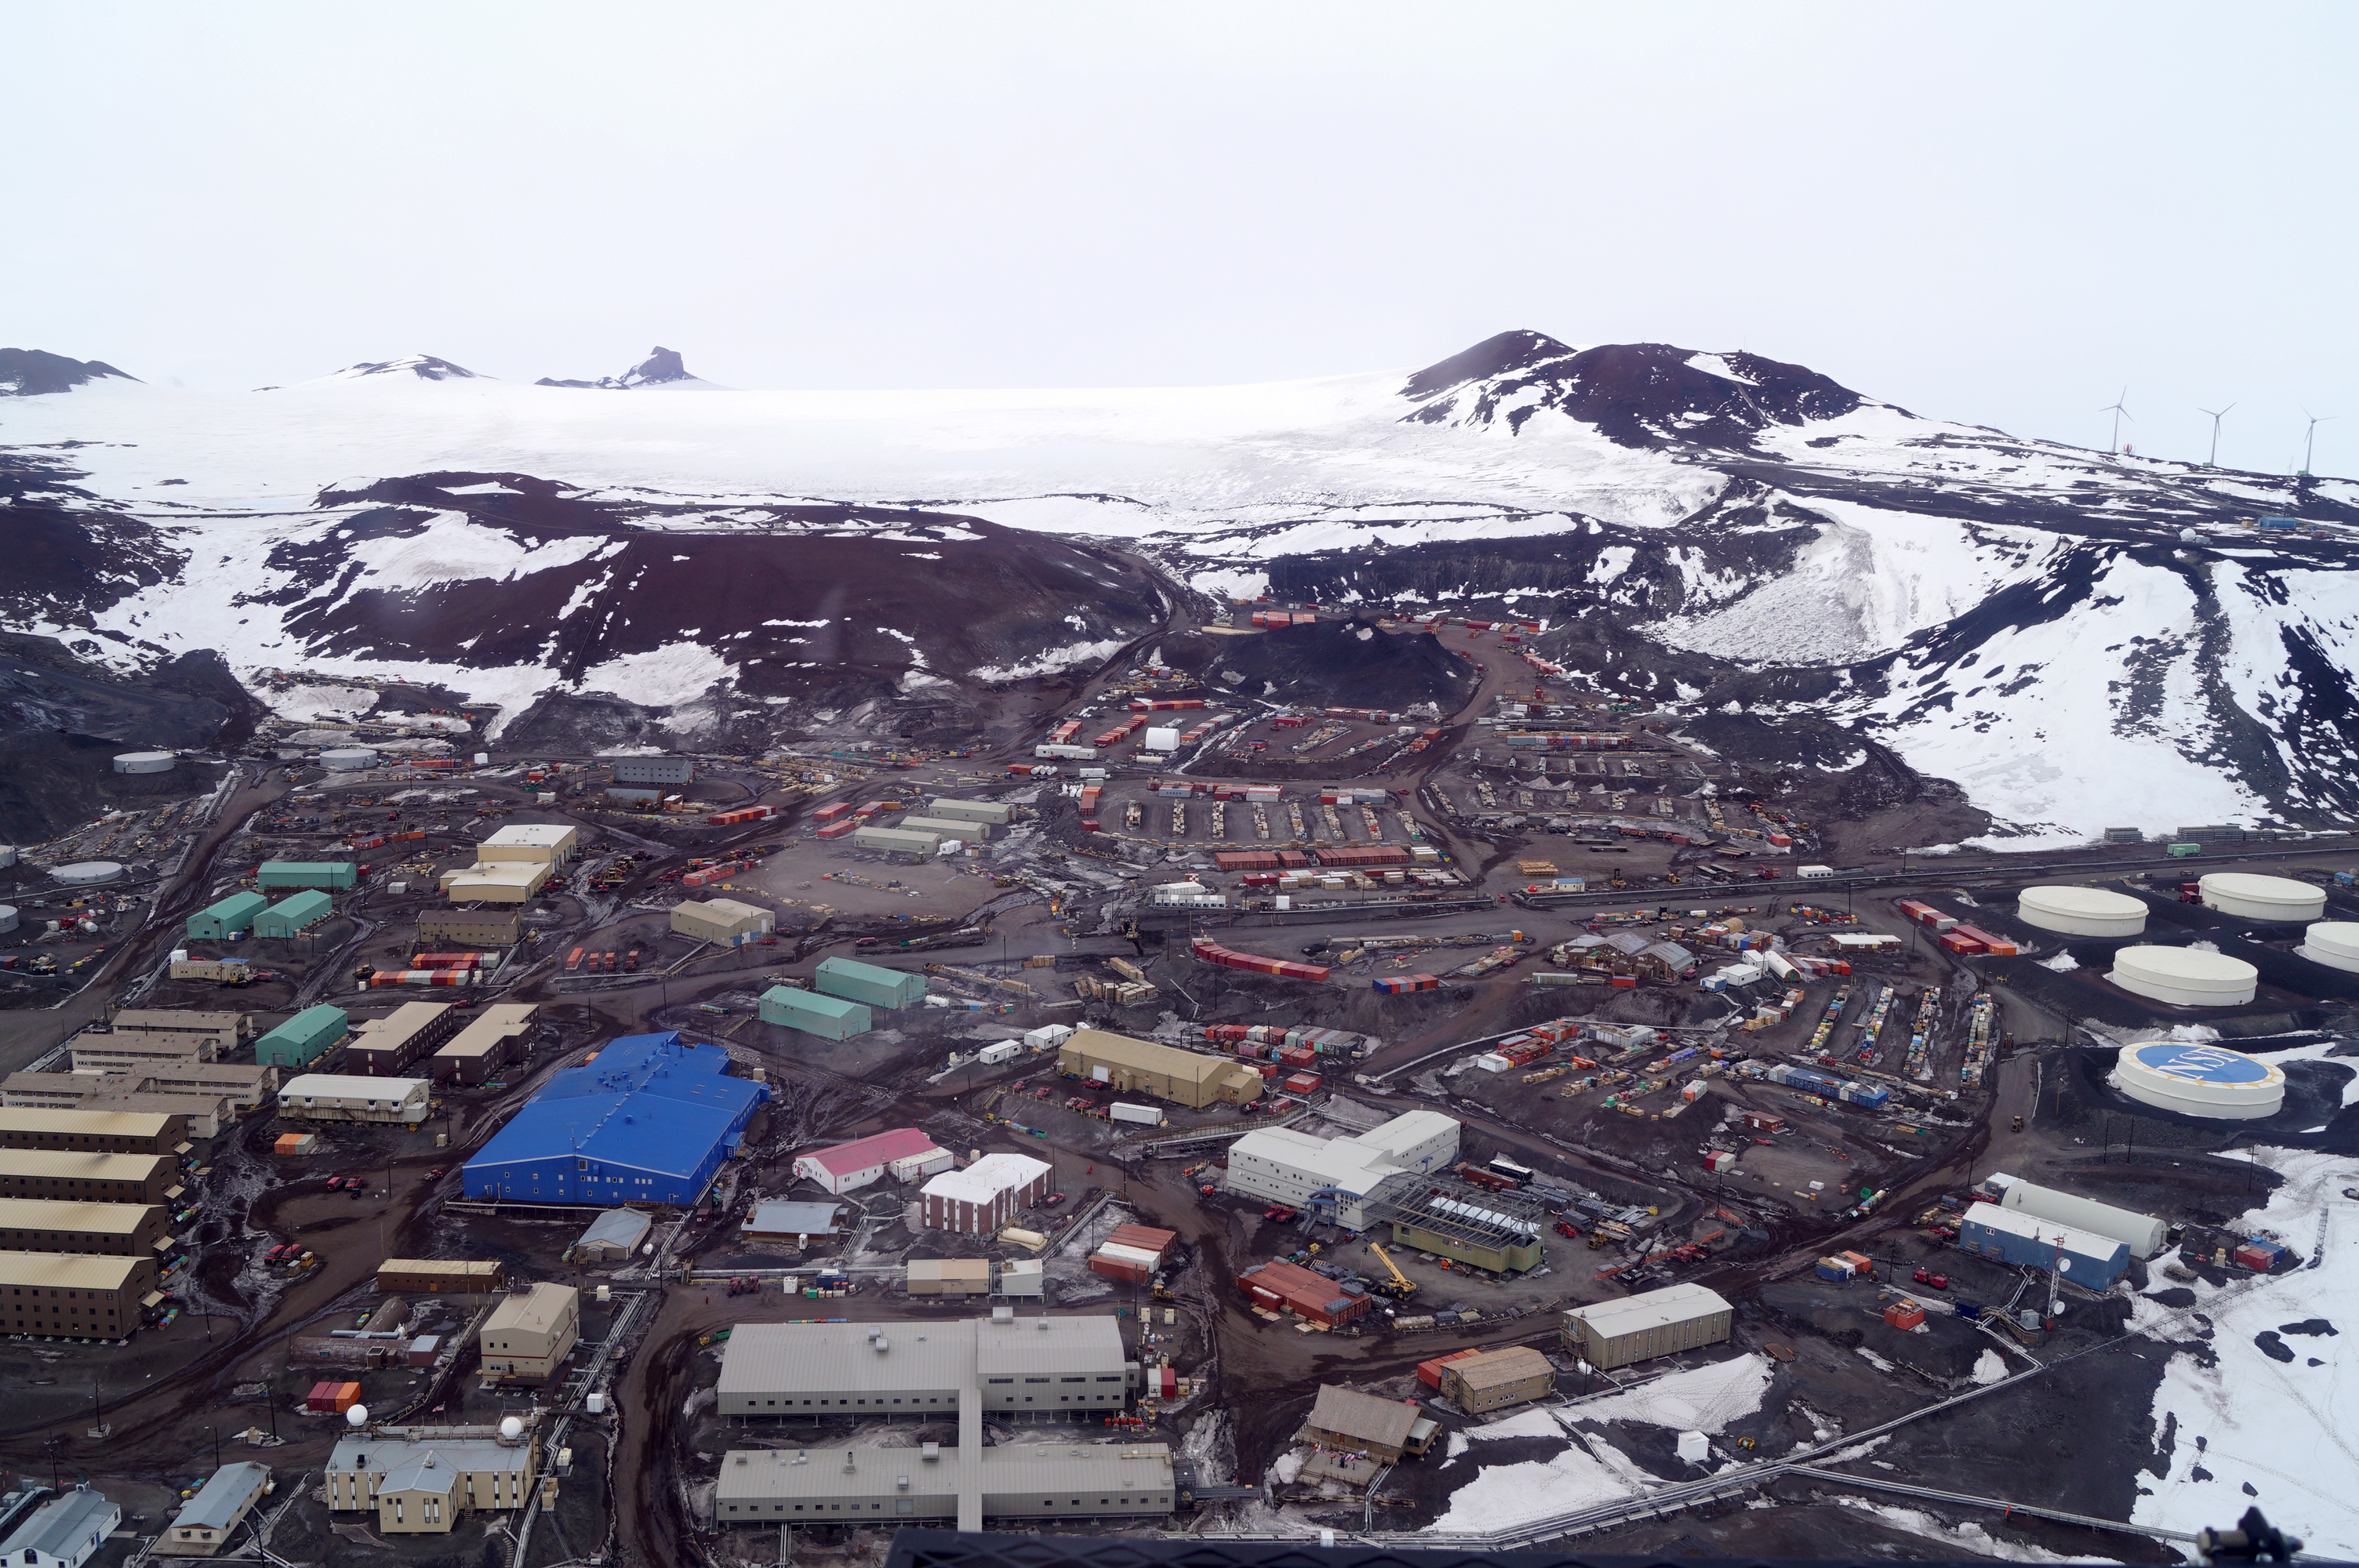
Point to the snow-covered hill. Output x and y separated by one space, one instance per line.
1781 555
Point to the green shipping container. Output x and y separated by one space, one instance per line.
307 874
867 983
304 1038
830 1018
230 917
2183 851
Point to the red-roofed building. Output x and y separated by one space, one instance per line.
863 1161
1284 1287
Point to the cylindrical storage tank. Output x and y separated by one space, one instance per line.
2184 977
87 873
145 761
347 759
2254 897
7 855
2080 912
2200 1080
2334 943
8 917
2142 1233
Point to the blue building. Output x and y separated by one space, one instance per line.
648 1121
2011 1235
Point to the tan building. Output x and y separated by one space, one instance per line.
950 1277
340 1096
74 1297
229 1030
89 1178
494 881
418 1480
470 928
1493 1380
382 1047
550 844
1356 1422
528 1336
206 1521
439 1276
95 1230
722 920
146 1048
244 1085
94 1131
493 1040
1139 1067
1653 1323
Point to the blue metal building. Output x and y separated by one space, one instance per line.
2011 1235
649 1122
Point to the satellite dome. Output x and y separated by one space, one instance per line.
358 1416
511 1428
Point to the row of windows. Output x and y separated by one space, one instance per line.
69 1296
908 1505
950 1400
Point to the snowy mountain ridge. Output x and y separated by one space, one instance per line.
1794 566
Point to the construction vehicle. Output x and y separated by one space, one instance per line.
1397 1285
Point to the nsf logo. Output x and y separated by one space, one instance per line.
2201 1064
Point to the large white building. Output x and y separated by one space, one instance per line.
1029 1365
334 1097
1288 1167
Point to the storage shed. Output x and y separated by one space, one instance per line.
218 922
895 840
829 1017
613 1235
304 1038
948 1277
722 920
1653 1323
868 984
307 874
291 917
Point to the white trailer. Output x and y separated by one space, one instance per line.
1144 1115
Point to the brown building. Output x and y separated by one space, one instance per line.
98 1229
1356 1422
71 1297
382 1047
1140 1066
94 1131
229 1030
1287 1287
529 1334
983 1198
89 1178
468 928
438 1276
494 1041
1493 1380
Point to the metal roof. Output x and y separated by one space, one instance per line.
535 1311
88 1123
767 1358
421 1470
648 1103
400 1024
344 1086
616 1227
2032 1227
532 835
987 1178
872 1153
1683 1303
774 1474
59 1526
494 1026
175 1018
1121 1050
78 1165
377 1452
1025 1345
783 1216
1351 1413
1509 1364
66 1213
227 1492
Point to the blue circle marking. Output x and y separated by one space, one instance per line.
2200 1063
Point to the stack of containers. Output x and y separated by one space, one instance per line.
1395 985
1211 952
448 960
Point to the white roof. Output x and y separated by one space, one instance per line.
342 1085
2081 901
2186 964
1335 1161
986 1178
725 909
1681 1303
1407 1131
2014 1222
533 835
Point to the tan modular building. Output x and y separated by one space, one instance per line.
944 828
337 1097
439 1276
886 1487
205 1114
94 1131
1493 1380
528 1336
495 881
382 1047
75 1297
244 1085
944 809
98 1229
1382 1428
895 840
226 971
146 1048
467 928
950 1277
228 1029
207 1520
89 1178
418 1479
550 844
1653 1323
722 920
1139 1067
493 1040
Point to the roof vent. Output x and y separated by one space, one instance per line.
883 1344
1043 1321
929 1452
847 1462
802 1456
903 1481
1003 1315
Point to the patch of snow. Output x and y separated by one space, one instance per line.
1053 660
1990 1367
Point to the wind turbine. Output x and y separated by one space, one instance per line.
2309 437
2119 414
2217 415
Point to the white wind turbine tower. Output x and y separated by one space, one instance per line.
2309 437
2217 415
2119 414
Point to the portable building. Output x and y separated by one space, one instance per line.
218 922
650 1120
848 1167
948 1277
331 1097
1653 1323
493 1040
1024 1277
529 1334
338 875
869 984
983 1198
61 1531
206 1521
722 920
2011 1235
969 810
998 1050
1495 1379
831 1018
291 917
304 1038
2142 1233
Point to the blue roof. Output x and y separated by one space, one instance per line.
649 1102
2200 1064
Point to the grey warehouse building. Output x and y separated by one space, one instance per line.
1652 1323
1039 1365
889 1485
651 770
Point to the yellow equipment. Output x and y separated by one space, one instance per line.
1400 1287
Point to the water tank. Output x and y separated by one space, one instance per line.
145 761
347 759
7 855
8 917
2334 943
2184 977
2209 1081
87 873
2254 897
2080 912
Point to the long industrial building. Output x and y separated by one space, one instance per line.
2142 1233
649 1122
1653 1323
94 1229
2011 1235
336 1096
75 1296
94 1131
1001 1363
895 1485
1282 1165
89 1178
1139 1067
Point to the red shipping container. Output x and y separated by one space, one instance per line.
1957 944
1904 1315
1302 1084
835 830
830 812
1127 1270
1626 982
1268 1070
1430 1372
322 1400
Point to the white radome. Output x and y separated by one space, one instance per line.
2082 912
356 1417
2252 897
2334 943
2184 977
511 1428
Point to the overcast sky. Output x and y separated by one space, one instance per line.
2000 215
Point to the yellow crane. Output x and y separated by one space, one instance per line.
1400 1287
